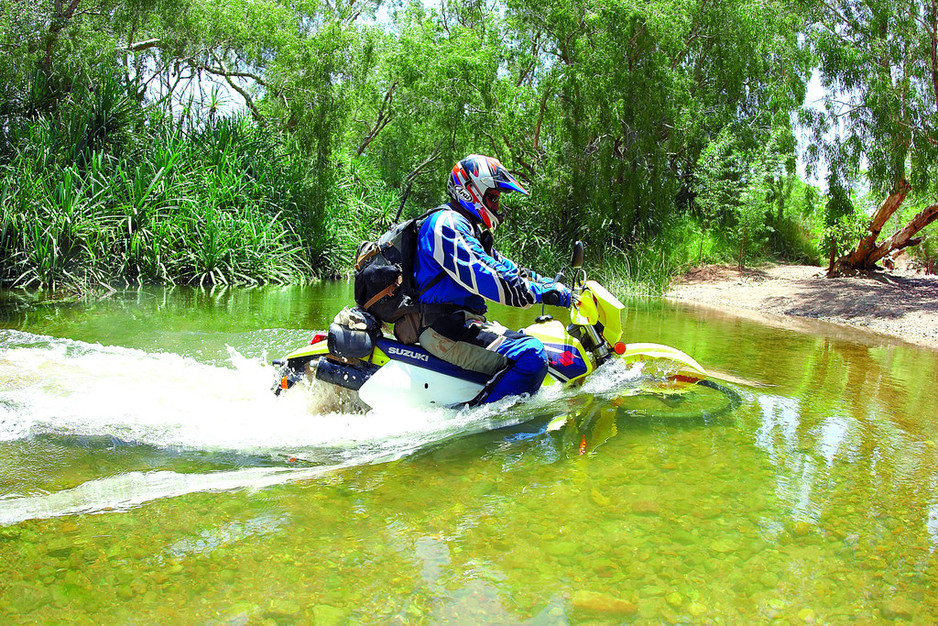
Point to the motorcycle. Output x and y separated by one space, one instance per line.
379 367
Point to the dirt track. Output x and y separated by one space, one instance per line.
897 303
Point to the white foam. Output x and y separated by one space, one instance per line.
70 388
65 387
132 489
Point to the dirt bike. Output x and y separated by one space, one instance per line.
380 368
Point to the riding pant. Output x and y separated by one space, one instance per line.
516 363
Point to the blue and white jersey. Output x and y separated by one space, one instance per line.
447 242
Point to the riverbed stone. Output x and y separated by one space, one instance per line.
653 590
675 599
282 608
725 545
684 537
807 616
646 507
898 607
563 548
696 609
605 568
597 602
327 615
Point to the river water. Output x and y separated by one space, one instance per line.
148 475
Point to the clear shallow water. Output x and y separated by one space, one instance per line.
148 475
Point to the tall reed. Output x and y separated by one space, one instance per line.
219 203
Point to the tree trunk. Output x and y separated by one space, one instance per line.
868 252
60 18
740 264
933 33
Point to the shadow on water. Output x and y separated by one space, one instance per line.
586 421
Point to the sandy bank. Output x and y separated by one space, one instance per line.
897 303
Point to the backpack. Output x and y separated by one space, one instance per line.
385 285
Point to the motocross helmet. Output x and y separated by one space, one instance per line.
471 182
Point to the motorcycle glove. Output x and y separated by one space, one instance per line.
558 296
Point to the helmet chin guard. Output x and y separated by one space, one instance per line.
472 177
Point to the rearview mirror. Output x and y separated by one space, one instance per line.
577 262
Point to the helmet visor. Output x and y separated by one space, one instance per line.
504 180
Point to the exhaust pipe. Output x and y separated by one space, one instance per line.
344 374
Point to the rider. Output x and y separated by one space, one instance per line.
457 269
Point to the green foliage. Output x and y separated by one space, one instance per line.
660 132
796 231
217 205
876 60
748 195
843 223
926 253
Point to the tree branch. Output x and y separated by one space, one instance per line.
141 46
413 175
843 19
861 257
695 32
540 115
385 115
223 71
933 34
247 100
904 238
430 159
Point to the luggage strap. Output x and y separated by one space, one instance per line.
384 292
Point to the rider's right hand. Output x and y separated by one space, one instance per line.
558 296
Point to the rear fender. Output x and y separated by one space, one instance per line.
301 363
316 349
320 348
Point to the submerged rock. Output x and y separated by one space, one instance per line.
675 599
898 607
646 507
282 608
327 615
596 602
696 609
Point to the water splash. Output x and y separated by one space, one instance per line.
132 489
62 388
71 390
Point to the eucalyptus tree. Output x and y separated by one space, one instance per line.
90 79
19 28
879 63
432 96
630 94
287 54
56 48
